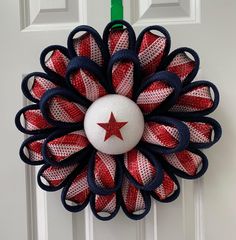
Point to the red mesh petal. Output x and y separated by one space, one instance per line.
185 161
197 99
151 52
87 85
35 150
118 40
34 120
61 109
56 175
40 86
167 188
86 46
181 65
132 197
139 167
200 132
63 147
123 78
105 170
79 191
58 63
105 203
160 134
153 96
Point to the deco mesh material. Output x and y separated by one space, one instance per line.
142 69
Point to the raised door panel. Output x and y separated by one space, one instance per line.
149 12
41 15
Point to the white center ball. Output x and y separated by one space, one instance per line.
129 124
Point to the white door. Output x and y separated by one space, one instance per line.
206 208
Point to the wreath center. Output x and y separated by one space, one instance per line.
114 124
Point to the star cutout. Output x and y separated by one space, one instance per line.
112 128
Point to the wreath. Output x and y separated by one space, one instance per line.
115 119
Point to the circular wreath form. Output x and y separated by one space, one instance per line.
173 130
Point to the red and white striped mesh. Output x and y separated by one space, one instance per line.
40 86
160 134
181 65
79 191
200 132
118 40
34 120
132 197
57 62
185 161
153 96
151 52
87 85
63 110
63 147
86 46
167 188
35 150
105 203
197 99
105 170
123 78
56 175
139 167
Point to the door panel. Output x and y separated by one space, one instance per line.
148 12
205 208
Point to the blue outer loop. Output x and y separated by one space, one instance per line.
173 196
125 55
74 158
27 141
73 208
179 173
158 29
184 135
104 218
19 124
147 202
85 63
172 80
25 88
188 88
156 181
91 177
50 72
69 95
171 56
95 35
216 128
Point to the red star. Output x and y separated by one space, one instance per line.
112 127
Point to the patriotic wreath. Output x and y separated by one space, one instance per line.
116 119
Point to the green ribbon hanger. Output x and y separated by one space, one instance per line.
117 11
